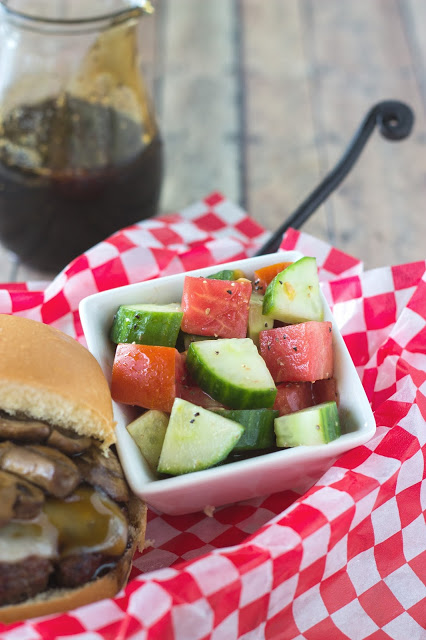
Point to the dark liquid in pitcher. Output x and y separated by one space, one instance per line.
72 173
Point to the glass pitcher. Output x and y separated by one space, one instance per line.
80 149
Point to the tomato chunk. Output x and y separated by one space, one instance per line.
146 376
217 308
265 275
293 396
299 352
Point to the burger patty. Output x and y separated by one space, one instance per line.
38 461
75 570
25 579
32 575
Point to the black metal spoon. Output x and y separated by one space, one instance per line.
395 121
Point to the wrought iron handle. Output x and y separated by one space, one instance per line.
395 122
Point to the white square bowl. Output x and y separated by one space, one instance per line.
239 480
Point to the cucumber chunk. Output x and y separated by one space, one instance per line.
312 426
258 427
232 372
196 439
149 324
148 431
294 294
257 322
227 274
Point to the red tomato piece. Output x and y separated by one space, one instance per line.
325 391
215 307
146 376
299 352
293 396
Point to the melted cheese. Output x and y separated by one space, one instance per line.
88 522
20 539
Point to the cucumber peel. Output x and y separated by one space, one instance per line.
227 274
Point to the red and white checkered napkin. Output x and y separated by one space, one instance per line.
345 558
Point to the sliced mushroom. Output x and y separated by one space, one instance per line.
18 498
4 447
45 467
68 442
8 494
103 472
30 500
23 430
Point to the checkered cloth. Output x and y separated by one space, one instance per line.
343 557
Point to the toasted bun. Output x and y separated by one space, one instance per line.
49 376
61 600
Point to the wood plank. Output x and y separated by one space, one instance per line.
198 111
413 17
311 70
360 56
282 158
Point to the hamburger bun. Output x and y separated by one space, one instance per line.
107 586
46 375
49 376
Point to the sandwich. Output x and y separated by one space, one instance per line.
69 524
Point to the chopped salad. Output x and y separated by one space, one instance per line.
238 367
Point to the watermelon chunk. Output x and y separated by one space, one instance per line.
299 352
293 396
195 395
325 391
216 308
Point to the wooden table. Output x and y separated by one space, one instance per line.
258 99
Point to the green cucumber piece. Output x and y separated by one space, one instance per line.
312 426
227 274
294 294
257 322
232 372
151 324
196 439
258 427
148 431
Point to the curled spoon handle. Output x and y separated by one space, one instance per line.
394 120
